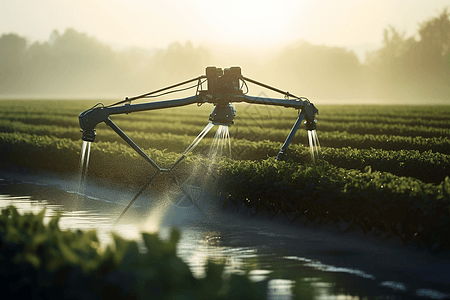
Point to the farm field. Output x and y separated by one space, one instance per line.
381 169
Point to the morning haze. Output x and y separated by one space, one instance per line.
83 61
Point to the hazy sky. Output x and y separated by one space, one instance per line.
257 24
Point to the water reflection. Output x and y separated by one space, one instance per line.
77 219
267 254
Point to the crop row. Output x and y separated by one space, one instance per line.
280 121
385 142
113 161
177 139
358 127
169 141
389 129
161 122
54 152
279 115
161 136
441 123
31 145
373 113
373 201
429 166
429 112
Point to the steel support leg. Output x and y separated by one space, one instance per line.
131 143
289 138
138 194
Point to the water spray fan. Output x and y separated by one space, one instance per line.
223 87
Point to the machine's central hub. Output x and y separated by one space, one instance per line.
223 88
223 85
223 115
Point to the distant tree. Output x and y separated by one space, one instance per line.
181 61
432 54
12 48
12 63
406 67
435 37
327 72
395 45
41 68
74 63
78 48
389 69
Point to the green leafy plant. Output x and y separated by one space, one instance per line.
43 261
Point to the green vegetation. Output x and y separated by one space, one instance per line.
44 262
383 173
375 202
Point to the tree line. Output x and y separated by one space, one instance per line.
73 64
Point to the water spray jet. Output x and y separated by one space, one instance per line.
224 86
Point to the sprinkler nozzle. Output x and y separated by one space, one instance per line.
223 115
88 135
311 125
89 119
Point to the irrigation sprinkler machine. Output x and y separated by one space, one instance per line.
223 87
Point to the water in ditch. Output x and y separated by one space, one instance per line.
295 262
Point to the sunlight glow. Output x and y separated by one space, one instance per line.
249 23
242 23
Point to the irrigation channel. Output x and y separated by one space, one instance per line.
325 264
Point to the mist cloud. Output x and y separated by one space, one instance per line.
74 65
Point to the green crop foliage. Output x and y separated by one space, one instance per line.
427 166
381 168
371 200
337 139
45 262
